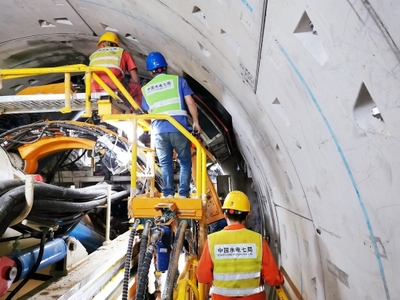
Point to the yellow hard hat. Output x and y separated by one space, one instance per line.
109 37
237 200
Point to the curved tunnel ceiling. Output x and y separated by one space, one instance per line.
313 91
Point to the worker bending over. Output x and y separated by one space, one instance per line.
120 62
237 261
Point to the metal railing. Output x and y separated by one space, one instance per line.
198 290
90 73
201 170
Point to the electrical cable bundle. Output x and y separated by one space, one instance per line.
29 134
55 206
12 139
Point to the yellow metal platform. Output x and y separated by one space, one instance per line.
186 208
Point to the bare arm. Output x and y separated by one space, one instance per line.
134 76
193 111
130 66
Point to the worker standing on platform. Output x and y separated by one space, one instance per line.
237 261
170 95
109 54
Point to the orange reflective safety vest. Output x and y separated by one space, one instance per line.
237 259
109 57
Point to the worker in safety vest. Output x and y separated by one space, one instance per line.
120 62
170 95
236 260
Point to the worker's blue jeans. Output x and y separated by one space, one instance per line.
165 143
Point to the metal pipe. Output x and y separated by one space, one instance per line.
78 68
173 265
202 288
143 242
191 260
182 289
203 175
87 236
54 251
128 258
142 255
152 155
201 171
67 86
88 94
108 213
105 87
143 271
134 166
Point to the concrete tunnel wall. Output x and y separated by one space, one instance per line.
313 91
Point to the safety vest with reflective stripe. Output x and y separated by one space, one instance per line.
237 258
163 95
109 57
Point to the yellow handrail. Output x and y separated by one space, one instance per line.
200 157
90 75
181 290
6 74
281 294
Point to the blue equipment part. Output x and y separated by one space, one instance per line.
54 251
88 237
217 226
164 250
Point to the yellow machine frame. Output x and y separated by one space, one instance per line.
144 205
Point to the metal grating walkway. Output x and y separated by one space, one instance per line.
44 102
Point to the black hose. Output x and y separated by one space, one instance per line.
16 197
128 258
143 272
141 289
144 242
173 263
25 142
48 190
59 162
53 205
55 221
8 201
29 127
34 268
75 160
68 206
6 185
29 134
142 249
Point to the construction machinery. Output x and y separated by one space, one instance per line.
104 230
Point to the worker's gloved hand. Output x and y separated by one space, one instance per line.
195 133
145 138
196 127
140 112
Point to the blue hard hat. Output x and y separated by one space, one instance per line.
155 60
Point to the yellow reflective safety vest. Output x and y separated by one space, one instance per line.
163 95
109 57
237 259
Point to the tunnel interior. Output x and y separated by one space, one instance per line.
304 93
